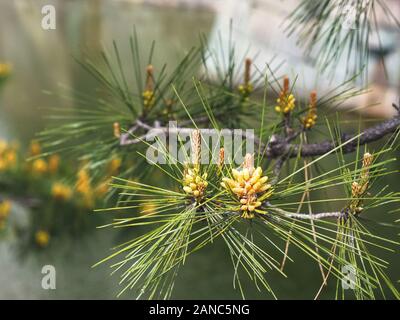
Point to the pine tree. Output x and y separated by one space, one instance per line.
308 185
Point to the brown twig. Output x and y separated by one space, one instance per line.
281 147
313 216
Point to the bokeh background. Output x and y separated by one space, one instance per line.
44 60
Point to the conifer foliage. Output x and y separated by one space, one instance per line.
307 186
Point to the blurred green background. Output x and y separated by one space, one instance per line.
42 60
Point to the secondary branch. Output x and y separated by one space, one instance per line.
278 147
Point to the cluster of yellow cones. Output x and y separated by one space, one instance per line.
195 184
247 184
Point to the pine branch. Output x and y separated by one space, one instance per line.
280 147
150 132
315 216
344 213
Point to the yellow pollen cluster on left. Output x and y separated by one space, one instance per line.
247 184
8 156
310 119
148 98
114 166
61 192
245 89
286 104
286 100
5 70
360 187
5 208
195 183
148 93
42 238
84 187
40 166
